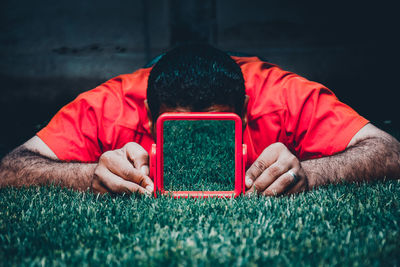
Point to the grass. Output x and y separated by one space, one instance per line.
349 224
206 155
337 225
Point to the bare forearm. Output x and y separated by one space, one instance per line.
369 159
23 167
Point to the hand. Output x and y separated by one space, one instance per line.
123 170
275 172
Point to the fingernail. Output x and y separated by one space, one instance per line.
150 188
145 169
248 182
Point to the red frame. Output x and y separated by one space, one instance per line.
157 155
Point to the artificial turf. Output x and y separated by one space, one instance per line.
348 224
199 155
336 225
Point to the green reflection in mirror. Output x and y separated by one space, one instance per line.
199 155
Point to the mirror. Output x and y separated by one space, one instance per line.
199 155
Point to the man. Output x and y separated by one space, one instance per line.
299 136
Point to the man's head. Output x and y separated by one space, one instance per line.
195 78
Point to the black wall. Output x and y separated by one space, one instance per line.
52 50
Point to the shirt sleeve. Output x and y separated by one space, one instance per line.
317 124
74 133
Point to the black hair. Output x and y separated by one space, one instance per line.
195 76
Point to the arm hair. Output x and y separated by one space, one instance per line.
26 167
370 156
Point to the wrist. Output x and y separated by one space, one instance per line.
90 174
314 179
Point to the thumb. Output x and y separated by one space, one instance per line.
266 159
138 156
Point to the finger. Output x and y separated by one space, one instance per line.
129 173
301 186
270 175
297 188
267 158
116 184
281 185
97 187
138 156
119 165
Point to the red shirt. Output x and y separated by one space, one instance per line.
283 107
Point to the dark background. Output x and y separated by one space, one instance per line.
50 51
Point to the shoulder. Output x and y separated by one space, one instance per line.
118 101
131 85
272 88
264 84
